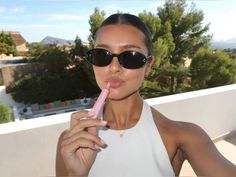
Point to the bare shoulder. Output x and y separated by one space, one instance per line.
187 136
183 132
196 146
191 134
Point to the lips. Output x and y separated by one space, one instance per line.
115 82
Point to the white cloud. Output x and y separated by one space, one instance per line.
67 17
136 9
222 24
26 26
17 9
2 9
12 9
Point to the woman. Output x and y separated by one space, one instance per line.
132 139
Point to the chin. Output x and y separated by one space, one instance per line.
120 97
116 98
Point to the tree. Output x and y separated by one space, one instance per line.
36 49
188 36
180 35
211 68
154 25
7 44
70 84
95 21
5 113
231 52
4 48
152 21
54 59
60 79
79 50
162 45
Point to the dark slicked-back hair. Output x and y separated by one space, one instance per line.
129 19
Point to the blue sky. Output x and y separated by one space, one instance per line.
36 19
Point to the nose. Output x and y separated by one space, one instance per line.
115 65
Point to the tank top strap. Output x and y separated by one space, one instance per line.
159 148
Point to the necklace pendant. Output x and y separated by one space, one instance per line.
121 134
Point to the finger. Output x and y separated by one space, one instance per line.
86 124
68 150
85 135
77 116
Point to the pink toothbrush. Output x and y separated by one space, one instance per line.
100 101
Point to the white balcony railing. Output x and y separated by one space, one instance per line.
28 147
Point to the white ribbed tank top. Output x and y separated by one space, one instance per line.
140 152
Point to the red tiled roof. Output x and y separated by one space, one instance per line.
16 37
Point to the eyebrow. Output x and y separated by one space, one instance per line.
122 46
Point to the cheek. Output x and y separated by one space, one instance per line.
136 78
99 75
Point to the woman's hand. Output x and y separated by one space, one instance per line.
80 143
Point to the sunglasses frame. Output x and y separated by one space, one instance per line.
109 57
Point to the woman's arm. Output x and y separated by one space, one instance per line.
202 154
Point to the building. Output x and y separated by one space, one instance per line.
20 42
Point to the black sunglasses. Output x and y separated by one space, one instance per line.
127 59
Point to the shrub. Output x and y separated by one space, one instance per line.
5 113
7 46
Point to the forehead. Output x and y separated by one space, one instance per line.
119 34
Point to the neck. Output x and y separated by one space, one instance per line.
125 113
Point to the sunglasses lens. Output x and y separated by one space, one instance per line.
128 59
132 59
99 57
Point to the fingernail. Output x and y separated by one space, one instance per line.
97 147
103 142
83 118
103 122
90 113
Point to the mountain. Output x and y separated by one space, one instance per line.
54 40
232 40
224 44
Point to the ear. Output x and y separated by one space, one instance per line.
149 65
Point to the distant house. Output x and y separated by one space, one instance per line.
20 42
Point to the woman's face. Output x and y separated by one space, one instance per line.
116 39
